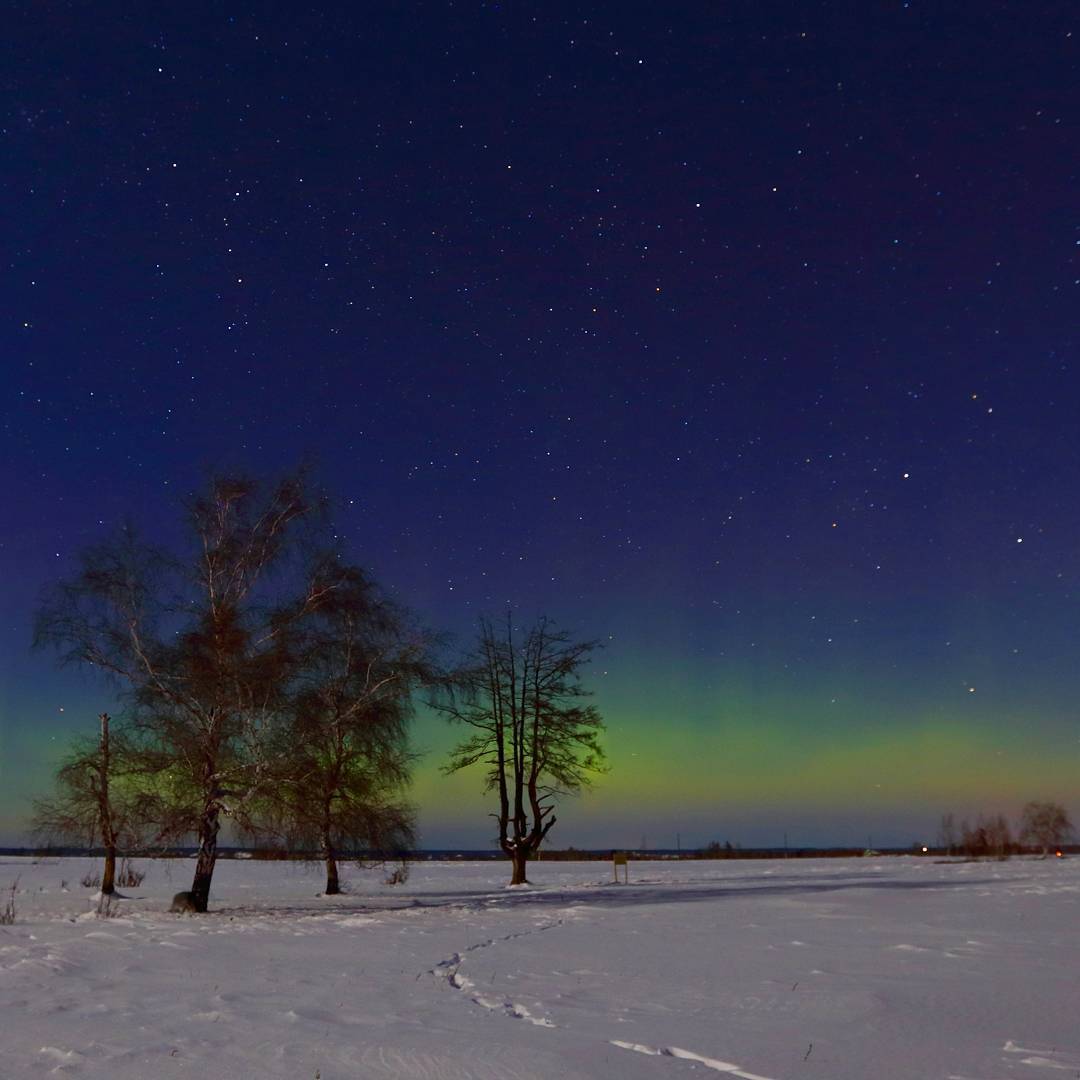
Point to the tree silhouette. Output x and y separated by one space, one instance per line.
89 806
533 734
338 781
1045 825
207 645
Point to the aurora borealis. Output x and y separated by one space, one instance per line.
741 339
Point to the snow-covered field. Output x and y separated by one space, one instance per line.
869 969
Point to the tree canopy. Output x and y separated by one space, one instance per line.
221 645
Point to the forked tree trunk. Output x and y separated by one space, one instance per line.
207 857
520 859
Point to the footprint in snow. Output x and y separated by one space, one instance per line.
65 1059
1044 1059
689 1055
450 970
512 1008
213 1016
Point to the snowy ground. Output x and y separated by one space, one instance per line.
869 969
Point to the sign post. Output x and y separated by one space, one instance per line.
618 858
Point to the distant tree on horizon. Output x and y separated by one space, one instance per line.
715 850
989 836
1045 825
533 734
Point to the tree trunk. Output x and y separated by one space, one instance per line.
204 863
108 877
520 858
333 886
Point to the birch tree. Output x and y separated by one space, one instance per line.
94 803
201 643
1045 825
339 781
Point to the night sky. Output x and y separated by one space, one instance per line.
742 337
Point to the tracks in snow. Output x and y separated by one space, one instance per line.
450 970
1043 1059
688 1055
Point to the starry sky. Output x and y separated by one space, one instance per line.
741 337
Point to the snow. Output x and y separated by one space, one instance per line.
880 968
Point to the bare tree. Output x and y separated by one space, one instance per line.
533 734
999 836
990 836
201 643
339 780
1045 825
88 806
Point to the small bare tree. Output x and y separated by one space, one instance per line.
999 836
201 644
89 806
1045 825
533 734
8 912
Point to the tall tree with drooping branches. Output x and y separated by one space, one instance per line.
339 780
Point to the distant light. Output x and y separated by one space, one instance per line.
925 849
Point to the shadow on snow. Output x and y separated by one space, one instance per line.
598 893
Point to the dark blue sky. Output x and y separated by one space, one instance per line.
741 336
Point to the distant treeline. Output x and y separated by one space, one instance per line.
554 855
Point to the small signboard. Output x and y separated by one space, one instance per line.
619 858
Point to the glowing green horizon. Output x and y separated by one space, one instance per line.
737 751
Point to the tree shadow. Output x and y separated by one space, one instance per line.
600 894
